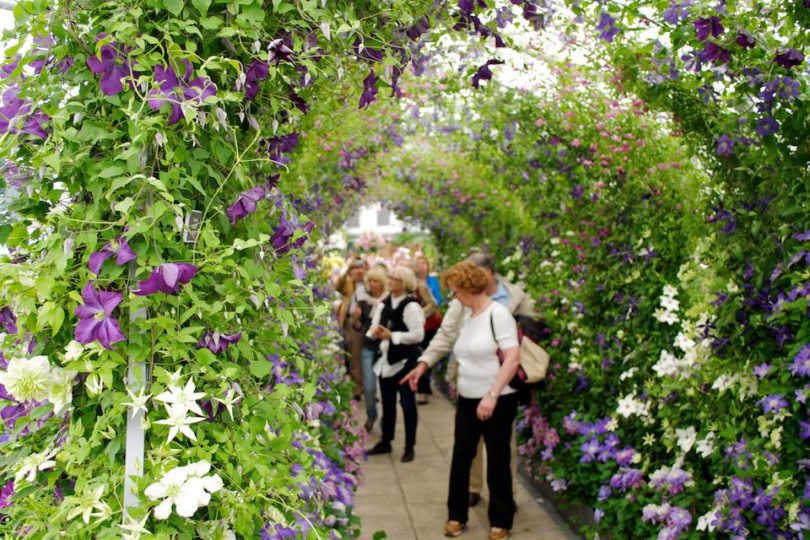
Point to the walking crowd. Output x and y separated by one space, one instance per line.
397 326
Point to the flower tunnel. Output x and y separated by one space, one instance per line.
171 169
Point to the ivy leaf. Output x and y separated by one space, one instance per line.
201 5
174 6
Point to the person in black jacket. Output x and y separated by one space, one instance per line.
398 323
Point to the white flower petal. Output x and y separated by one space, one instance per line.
164 509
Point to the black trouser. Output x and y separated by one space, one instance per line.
389 387
497 433
423 386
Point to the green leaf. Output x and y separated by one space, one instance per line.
174 6
201 6
260 368
124 205
51 315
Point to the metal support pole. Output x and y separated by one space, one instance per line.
136 380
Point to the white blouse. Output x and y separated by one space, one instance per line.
414 319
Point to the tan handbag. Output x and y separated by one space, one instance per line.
534 360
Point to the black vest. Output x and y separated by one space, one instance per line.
394 320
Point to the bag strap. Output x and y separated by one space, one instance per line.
495 339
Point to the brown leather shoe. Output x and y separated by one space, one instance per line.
454 528
496 533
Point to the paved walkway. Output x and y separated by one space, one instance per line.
408 501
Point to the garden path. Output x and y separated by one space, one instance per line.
408 501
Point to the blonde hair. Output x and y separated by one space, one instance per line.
467 276
376 273
407 277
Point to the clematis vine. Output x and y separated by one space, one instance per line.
29 467
120 248
789 58
95 317
607 28
283 234
113 64
257 71
179 91
166 278
217 343
245 204
708 26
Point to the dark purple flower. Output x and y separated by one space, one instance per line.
761 371
8 320
422 26
466 6
484 73
95 317
789 58
8 69
113 64
120 248
766 126
707 27
725 146
801 362
369 94
280 49
716 53
676 12
773 403
217 343
256 71
176 91
745 40
16 116
577 192
6 493
804 432
283 234
278 146
245 204
166 278
607 28
802 236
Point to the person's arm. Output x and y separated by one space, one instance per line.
375 321
441 344
415 321
506 338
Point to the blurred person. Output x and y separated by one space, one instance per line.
427 296
398 323
487 405
351 287
375 281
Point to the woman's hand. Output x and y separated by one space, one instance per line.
413 376
382 333
486 407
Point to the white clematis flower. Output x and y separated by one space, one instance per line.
137 402
31 465
185 488
184 397
73 351
60 392
87 503
180 422
686 438
27 378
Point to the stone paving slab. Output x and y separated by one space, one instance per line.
408 501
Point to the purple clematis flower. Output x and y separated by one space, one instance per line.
95 321
16 116
245 204
804 433
801 362
789 58
676 12
484 73
256 71
421 26
802 236
708 26
114 66
369 94
120 248
773 403
725 146
6 493
8 320
745 40
716 53
607 28
178 91
766 126
217 343
761 371
167 278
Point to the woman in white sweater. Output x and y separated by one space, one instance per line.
487 405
